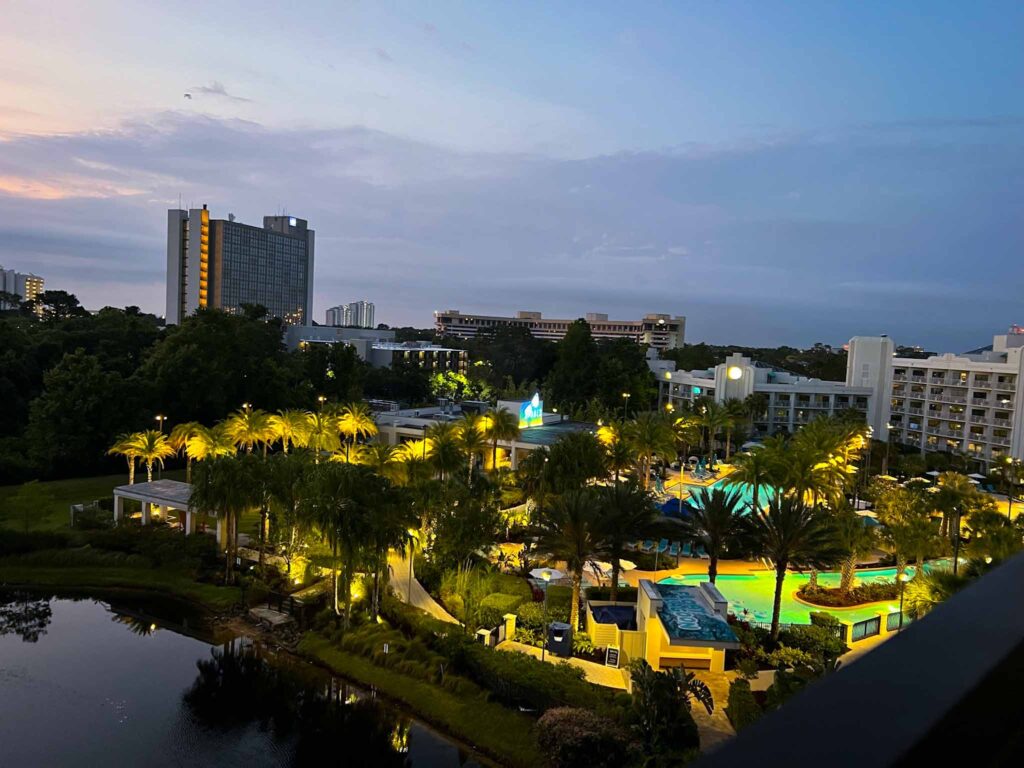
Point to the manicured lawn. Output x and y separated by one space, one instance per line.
63 493
497 731
15 573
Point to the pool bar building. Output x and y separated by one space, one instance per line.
670 625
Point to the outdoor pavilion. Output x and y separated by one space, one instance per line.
161 497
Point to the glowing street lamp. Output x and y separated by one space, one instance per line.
321 399
546 575
161 419
625 405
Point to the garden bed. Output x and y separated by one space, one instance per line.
831 597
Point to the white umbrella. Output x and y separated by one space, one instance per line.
553 574
976 476
933 473
973 481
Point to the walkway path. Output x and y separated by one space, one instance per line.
420 597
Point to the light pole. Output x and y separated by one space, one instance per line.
246 407
903 584
956 542
625 405
412 538
321 399
161 419
546 576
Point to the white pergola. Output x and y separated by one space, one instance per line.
160 497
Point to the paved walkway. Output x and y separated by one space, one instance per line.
420 597
714 728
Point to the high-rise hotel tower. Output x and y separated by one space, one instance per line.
223 264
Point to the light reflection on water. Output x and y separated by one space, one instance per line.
83 686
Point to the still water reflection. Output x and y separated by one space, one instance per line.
83 683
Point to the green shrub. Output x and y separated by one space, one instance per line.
582 644
531 615
864 593
577 738
494 607
816 640
16 542
742 708
509 584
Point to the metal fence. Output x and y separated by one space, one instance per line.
892 621
838 630
866 628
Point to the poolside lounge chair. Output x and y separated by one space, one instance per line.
687 549
647 546
673 549
662 545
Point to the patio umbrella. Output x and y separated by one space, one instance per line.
627 565
933 473
554 574
890 478
976 476
973 481
751 444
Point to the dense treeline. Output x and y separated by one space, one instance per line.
818 362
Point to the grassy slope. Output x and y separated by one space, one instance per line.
14 573
497 731
63 493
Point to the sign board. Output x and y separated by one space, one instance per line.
611 659
531 413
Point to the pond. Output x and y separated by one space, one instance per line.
86 683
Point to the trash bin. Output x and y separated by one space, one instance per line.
560 639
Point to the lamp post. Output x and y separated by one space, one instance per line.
956 542
321 399
625 405
246 407
412 538
161 419
546 576
903 583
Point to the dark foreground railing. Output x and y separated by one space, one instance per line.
946 688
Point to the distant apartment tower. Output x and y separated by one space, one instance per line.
357 314
23 284
656 330
223 264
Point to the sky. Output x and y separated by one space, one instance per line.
777 172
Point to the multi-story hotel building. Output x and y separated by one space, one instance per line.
953 403
962 403
22 284
656 330
223 264
356 314
791 401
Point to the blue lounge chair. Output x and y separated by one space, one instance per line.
647 546
673 549
662 545
687 549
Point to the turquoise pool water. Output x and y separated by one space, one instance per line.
750 595
746 492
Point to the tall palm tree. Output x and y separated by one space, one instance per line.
650 434
500 424
756 468
223 488
470 432
390 520
179 437
153 447
907 526
620 454
928 590
711 418
756 405
855 539
250 428
291 427
355 422
955 491
718 522
627 514
444 450
575 460
287 484
791 533
383 459
688 433
209 443
734 413
569 530
127 446
321 434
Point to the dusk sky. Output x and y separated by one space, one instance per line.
778 172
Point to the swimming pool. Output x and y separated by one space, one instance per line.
746 492
750 595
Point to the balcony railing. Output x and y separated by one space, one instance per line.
1005 386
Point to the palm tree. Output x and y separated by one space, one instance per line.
250 428
470 432
733 412
756 468
856 539
153 447
711 418
321 434
789 532
650 434
718 522
570 531
127 446
390 520
575 460
755 404
908 530
444 450
928 589
500 424
291 427
209 443
627 513
687 433
287 484
355 421
223 488
620 453
383 459
955 491
180 435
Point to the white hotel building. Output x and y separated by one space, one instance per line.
955 403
